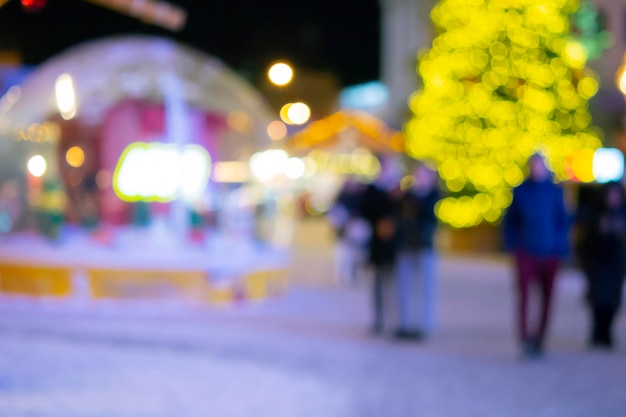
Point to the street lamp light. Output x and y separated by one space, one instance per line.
295 113
280 73
299 113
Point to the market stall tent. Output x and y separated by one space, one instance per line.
347 130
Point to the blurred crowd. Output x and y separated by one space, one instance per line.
386 234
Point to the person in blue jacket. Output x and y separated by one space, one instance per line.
536 233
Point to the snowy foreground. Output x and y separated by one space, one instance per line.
307 354
218 254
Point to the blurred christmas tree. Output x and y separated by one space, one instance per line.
504 79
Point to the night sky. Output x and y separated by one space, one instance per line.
341 36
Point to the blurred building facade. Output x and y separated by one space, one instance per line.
406 28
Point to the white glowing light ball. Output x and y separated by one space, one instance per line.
37 165
269 164
608 165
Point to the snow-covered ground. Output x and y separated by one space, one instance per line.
143 249
307 354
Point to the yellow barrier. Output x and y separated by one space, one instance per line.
221 294
260 284
142 284
37 281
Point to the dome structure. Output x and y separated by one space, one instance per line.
80 113
108 185
106 72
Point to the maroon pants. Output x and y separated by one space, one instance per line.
534 273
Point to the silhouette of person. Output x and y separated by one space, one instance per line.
536 232
377 208
415 272
602 254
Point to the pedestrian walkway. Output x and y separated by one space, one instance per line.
308 353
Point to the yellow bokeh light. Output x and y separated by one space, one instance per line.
502 80
75 156
482 202
582 119
581 165
498 50
280 73
360 162
284 113
621 82
503 198
513 176
587 87
575 54
492 215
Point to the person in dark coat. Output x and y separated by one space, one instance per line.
416 259
536 233
602 254
377 208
